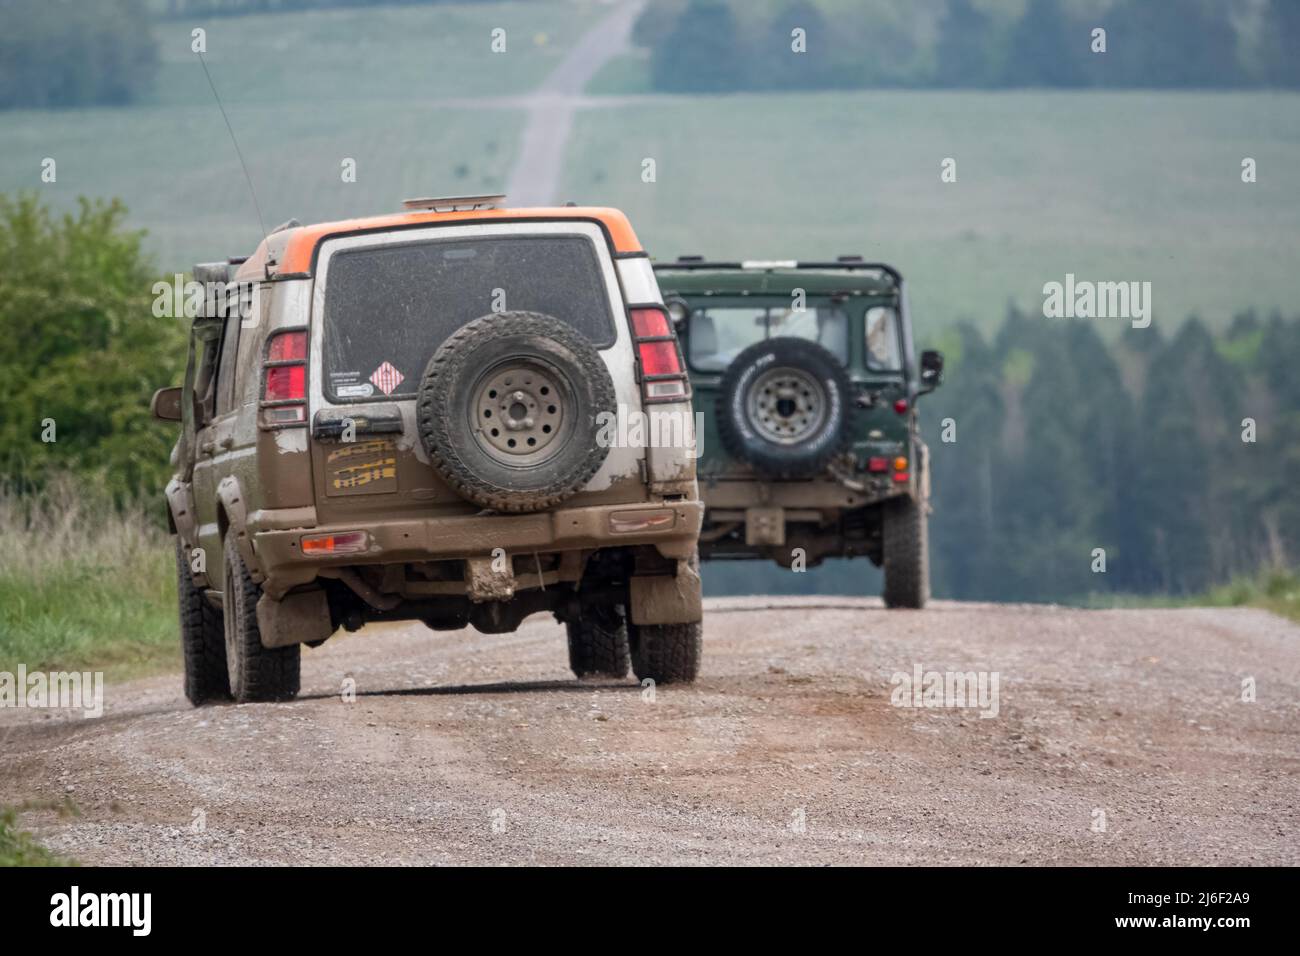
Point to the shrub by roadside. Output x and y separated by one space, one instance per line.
19 848
84 584
1276 590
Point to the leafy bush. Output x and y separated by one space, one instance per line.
81 351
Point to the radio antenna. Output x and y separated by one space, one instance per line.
238 152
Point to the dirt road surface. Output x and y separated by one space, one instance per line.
463 748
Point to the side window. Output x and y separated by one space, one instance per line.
205 378
881 328
226 373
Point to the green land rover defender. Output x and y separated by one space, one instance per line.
806 382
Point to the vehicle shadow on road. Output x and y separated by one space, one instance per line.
502 687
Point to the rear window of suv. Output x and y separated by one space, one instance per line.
388 308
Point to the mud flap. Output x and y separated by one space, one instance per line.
667 599
295 619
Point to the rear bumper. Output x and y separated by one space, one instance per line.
283 565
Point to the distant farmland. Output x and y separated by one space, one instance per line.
303 91
1107 185
1140 186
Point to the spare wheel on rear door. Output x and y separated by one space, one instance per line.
785 408
508 411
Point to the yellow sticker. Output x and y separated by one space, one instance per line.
367 467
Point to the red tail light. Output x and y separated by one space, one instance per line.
659 357
287 347
284 387
900 406
286 382
650 323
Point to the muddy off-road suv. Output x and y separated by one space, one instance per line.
805 378
402 419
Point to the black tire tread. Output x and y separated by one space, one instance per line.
666 653
906 558
598 643
258 673
203 639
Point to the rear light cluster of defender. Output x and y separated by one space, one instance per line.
659 357
284 387
879 465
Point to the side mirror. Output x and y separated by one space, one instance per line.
678 311
931 370
166 404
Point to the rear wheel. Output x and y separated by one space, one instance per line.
906 554
598 644
203 641
666 653
256 673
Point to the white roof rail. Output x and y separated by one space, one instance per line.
769 264
455 203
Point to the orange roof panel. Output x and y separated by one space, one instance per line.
301 242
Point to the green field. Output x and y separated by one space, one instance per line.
85 586
1106 185
398 55
303 92
187 188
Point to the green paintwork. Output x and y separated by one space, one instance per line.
857 289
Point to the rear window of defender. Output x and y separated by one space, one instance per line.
388 308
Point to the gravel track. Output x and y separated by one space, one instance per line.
462 748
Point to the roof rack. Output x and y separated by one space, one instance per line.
843 264
455 203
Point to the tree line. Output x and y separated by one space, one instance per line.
66 53
57 54
1068 465
725 45
1171 460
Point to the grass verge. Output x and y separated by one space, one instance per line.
19 848
85 585
1273 590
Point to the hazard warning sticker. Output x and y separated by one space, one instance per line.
386 378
